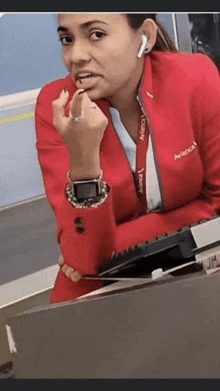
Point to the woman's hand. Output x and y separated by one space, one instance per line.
83 136
69 271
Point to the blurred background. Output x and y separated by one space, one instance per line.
30 58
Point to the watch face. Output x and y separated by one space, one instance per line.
85 190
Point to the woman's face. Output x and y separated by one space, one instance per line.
100 52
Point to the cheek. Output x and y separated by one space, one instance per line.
122 56
66 59
119 67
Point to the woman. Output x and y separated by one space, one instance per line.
127 93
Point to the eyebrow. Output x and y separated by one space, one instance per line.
83 26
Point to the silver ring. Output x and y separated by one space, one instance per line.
76 118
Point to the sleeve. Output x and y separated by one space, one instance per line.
84 251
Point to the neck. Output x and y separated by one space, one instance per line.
125 104
125 99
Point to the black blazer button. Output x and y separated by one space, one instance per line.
80 230
79 220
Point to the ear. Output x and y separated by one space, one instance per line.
149 28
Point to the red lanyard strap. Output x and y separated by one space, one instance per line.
142 145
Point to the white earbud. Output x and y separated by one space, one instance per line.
143 49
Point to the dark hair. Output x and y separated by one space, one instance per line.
164 41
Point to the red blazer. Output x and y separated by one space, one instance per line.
180 94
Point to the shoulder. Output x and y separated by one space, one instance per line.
52 90
191 66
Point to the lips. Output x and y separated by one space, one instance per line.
85 76
85 79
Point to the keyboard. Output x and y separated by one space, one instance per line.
164 252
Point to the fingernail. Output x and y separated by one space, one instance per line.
66 90
80 92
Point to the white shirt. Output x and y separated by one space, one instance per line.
153 194
126 140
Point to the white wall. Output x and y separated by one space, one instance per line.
30 58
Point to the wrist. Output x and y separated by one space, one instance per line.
88 188
86 169
85 166
94 202
82 175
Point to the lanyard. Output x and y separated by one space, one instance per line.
142 144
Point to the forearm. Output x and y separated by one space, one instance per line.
84 245
118 238
157 224
101 237
86 236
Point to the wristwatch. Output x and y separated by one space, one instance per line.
86 189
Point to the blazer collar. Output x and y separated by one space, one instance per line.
146 79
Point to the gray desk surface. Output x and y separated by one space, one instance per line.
167 329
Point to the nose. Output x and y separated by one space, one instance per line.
80 52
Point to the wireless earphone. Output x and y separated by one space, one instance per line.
143 49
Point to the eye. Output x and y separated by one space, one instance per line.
96 35
65 40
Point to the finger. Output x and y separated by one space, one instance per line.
76 104
69 271
64 268
75 276
59 106
87 101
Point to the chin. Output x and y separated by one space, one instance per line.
93 95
